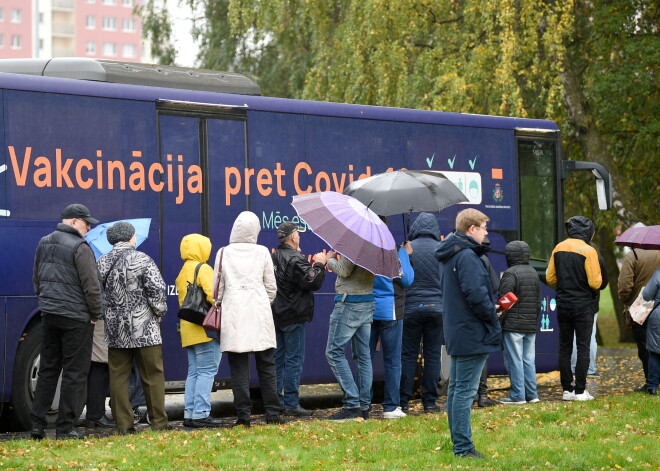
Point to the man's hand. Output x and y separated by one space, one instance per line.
406 245
319 258
331 254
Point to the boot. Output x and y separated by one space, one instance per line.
484 401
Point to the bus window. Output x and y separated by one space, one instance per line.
537 161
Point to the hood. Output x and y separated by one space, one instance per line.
246 228
517 253
426 225
195 247
580 227
456 242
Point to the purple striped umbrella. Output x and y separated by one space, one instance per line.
351 229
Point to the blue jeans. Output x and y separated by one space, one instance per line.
593 349
289 356
418 326
464 375
351 322
390 333
519 359
203 362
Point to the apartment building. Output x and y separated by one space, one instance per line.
104 29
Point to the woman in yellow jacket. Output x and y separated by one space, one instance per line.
202 345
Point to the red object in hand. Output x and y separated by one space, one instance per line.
508 300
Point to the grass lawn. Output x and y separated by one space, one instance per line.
609 433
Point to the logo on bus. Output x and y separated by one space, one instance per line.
498 194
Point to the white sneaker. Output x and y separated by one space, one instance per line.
394 414
585 396
568 396
533 401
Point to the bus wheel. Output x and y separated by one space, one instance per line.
26 373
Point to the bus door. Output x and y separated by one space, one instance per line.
541 227
196 142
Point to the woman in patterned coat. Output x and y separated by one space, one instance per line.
135 303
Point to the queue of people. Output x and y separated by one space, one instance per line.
445 296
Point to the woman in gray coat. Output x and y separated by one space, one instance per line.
652 293
135 303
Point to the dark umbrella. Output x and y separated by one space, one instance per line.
644 237
351 229
406 191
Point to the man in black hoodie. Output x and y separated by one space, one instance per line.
575 271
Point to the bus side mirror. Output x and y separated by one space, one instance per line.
603 180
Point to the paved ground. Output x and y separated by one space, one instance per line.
619 369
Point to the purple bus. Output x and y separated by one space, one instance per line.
192 149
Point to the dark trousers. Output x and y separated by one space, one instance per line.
239 369
150 365
98 383
482 390
66 347
419 326
578 322
639 333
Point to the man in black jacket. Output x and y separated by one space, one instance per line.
66 280
293 306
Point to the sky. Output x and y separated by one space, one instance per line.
181 24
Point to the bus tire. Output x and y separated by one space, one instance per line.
26 373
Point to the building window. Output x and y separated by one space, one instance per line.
15 41
2 41
41 44
16 15
90 48
2 15
90 22
109 2
109 49
90 1
127 3
109 23
129 25
129 50
41 18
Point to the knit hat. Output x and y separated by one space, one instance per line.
120 232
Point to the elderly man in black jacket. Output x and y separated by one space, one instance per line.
520 322
293 306
66 281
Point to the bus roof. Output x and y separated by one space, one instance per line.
260 103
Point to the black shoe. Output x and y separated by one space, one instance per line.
485 401
275 420
405 408
652 391
364 413
73 434
38 433
297 412
128 431
473 453
346 414
187 422
643 388
206 422
431 409
103 422
244 422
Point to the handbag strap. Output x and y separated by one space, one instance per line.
194 283
217 281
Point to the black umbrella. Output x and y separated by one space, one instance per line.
406 191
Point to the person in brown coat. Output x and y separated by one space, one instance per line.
636 271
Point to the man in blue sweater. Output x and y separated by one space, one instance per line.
471 327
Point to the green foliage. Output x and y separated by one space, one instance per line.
157 30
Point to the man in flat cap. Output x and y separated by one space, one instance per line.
66 281
293 306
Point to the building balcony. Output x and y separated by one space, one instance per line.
63 29
68 5
64 52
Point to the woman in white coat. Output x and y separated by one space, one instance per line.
247 288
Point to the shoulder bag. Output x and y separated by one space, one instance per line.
214 315
195 306
640 309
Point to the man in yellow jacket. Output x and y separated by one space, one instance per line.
202 345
